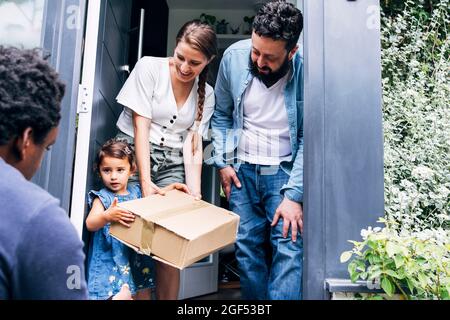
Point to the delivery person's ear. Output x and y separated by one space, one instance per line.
22 143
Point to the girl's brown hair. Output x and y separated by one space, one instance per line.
118 149
201 37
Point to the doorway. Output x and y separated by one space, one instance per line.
118 33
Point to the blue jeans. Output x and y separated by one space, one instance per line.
270 266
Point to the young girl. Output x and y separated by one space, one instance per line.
111 263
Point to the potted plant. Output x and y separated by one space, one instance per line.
221 27
235 30
249 22
415 265
209 19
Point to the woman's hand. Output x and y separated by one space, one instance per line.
151 188
196 195
116 214
182 187
176 186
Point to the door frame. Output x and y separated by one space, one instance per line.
84 109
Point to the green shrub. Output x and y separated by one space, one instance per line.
416 100
414 264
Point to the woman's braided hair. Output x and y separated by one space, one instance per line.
201 37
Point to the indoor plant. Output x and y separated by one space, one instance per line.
209 19
249 21
221 26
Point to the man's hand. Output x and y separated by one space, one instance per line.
227 177
292 214
116 214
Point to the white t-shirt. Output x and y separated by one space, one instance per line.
265 138
148 92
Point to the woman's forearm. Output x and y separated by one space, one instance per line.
193 164
142 149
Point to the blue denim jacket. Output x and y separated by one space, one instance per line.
227 121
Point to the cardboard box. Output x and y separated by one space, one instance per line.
176 229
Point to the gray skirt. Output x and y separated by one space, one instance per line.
166 163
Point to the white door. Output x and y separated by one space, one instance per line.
106 51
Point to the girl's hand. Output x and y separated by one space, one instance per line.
151 188
116 214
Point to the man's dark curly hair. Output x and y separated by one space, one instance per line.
279 20
30 95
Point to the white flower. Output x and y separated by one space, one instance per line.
374 284
112 279
365 233
423 172
411 92
125 269
443 191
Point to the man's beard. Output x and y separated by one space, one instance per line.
272 77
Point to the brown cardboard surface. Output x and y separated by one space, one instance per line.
176 228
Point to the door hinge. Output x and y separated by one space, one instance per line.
83 98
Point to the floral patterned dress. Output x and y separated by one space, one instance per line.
111 263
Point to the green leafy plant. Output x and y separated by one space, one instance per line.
209 19
235 30
415 265
221 26
249 21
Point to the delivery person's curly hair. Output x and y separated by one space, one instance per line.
30 95
279 20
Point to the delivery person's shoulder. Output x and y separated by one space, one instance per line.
26 208
34 231
21 199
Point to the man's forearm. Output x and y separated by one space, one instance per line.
293 190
